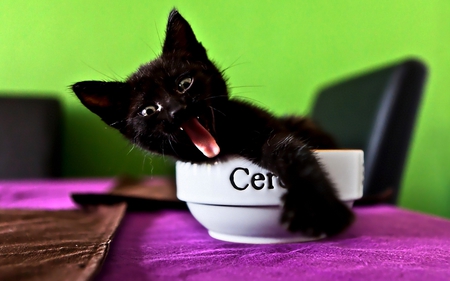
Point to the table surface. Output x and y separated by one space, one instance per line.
384 243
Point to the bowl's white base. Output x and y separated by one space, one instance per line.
262 240
246 224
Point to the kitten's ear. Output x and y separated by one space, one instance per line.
109 100
181 38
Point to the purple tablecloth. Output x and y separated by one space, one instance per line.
385 243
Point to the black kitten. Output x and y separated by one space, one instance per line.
178 105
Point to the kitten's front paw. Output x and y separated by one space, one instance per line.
314 216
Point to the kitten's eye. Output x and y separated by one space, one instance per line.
149 110
185 84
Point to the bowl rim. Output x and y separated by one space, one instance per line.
207 190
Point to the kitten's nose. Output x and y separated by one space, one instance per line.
171 111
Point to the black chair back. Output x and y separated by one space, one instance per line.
30 131
375 112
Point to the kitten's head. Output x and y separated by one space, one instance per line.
167 105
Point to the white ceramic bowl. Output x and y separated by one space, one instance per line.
238 201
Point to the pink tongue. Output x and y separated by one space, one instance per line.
201 138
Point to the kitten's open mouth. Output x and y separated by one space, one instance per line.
201 137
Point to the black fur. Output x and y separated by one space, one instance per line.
281 145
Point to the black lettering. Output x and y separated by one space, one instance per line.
255 178
232 178
269 180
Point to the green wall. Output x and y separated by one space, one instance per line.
281 53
